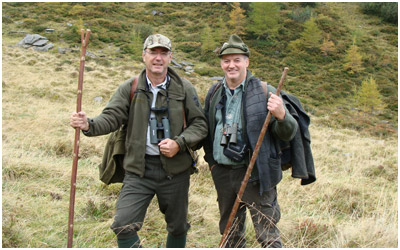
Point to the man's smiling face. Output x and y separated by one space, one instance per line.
157 60
235 67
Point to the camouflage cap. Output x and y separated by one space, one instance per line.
157 40
235 45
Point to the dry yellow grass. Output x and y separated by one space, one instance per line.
352 204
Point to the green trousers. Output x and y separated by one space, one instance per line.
264 209
137 193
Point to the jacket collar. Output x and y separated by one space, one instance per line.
175 89
249 76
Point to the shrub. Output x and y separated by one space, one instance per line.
39 29
6 20
143 30
72 35
301 14
326 23
208 71
308 4
110 24
189 47
103 62
29 23
100 211
387 11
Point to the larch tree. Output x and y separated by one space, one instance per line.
237 19
368 97
264 18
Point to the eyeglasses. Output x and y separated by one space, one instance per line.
155 53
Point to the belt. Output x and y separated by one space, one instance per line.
152 156
233 166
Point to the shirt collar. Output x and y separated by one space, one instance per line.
161 85
241 85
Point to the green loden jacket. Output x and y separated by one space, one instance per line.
182 96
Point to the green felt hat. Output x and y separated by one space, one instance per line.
235 45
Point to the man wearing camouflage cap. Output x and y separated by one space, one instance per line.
154 163
236 109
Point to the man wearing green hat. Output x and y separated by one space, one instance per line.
236 109
157 161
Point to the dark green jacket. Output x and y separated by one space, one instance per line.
136 115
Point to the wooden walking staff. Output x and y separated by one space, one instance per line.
250 167
84 43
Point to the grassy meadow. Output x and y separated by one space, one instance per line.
353 203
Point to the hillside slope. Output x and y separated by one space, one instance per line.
319 80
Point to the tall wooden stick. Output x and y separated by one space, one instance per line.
250 167
84 43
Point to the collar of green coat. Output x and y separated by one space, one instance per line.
249 76
175 90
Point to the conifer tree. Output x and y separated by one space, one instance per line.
137 45
312 35
264 18
221 33
208 43
327 46
309 39
237 19
368 97
353 60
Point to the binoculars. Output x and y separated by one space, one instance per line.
229 134
159 130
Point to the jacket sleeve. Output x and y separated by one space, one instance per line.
114 114
208 142
197 127
285 129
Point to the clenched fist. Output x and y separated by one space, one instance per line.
169 147
275 106
79 120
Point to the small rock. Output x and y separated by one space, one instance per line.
40 43
176 64
187 63
347 154
216 78
47 47
31 39
17 32
156 13
98 99
90 54
61 50
55 196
